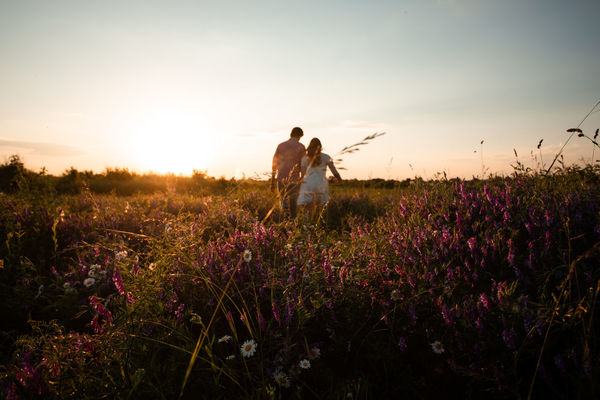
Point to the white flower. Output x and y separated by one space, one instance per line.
195 318
120 255
247 256
437 347
87 282
304 364
225 339
230 357
248 348
281 379
395 295
151 266
66 285
92 273
314 353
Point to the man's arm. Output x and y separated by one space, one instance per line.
274 166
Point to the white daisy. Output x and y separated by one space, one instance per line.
247 256
281 379
248 348
88 282
314 353
225 339
230 357
437 347
66 285
195 318
304 364
120 255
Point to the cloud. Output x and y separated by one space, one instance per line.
42 148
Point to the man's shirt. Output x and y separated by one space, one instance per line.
286 161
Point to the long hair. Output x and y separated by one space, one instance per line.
313 152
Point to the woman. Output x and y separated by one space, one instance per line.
314 190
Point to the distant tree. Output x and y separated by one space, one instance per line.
13 175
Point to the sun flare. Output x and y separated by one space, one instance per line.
173 142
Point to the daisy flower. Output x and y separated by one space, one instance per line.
437 347
225 339
66 285
88 282
281 379
195 318
247 256
248 348
314 353
230 357
120 255
304 364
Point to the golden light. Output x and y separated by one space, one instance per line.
173 141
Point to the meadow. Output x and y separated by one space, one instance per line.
422 289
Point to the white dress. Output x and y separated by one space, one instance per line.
315 186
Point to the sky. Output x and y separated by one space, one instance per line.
214 86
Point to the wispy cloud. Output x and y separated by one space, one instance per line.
41 148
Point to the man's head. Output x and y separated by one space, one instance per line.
297 133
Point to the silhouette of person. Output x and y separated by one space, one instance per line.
314 189
286 171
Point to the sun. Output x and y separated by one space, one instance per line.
173 142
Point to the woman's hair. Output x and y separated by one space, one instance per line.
313 152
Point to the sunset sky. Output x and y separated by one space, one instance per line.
216 85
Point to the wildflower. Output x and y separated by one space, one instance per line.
304 364
437 347
151 266
282 379
66 285
247 256
248 348
402 345
88 282
40 291
230 357
225 339
395 295
195 318
314 353
121 255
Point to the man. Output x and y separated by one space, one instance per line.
286 170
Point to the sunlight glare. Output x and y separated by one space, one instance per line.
175 142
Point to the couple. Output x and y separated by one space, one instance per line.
300 175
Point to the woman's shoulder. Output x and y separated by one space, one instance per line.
325 157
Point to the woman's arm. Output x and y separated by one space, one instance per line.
334 171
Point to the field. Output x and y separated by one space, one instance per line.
432 289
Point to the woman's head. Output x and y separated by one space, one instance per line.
313 151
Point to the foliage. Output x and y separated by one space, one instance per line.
466 288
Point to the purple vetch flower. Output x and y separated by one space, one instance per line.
261 321
402 345
118 281
179 312
484 301
276 313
